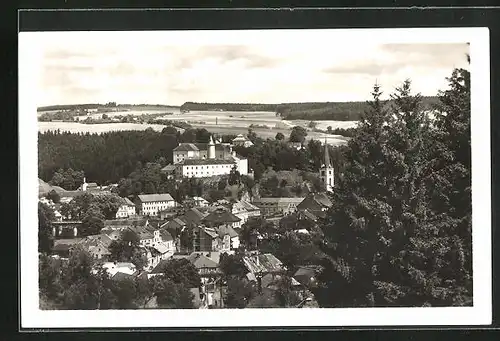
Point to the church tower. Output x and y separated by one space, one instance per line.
211 149
326 171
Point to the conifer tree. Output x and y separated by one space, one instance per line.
360 211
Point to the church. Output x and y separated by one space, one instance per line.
201 160
326 172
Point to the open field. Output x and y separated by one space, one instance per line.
74 127
220 122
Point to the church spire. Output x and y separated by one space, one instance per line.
327 155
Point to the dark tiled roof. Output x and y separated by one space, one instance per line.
126 201
221 216
201 261
120 276
166 236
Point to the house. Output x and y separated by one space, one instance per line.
224 222
242 141
96 245
169 170
315 205
200 202
207 239
206 266
120 267
307 275
261 264
152 204
222 217
273 206
126 210
63 247
245 210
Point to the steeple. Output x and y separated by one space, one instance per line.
211 148
326 172
327 156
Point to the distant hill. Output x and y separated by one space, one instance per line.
337 111
98 106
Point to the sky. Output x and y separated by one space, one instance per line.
172 68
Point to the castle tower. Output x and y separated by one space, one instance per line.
211 149
326 172
84 185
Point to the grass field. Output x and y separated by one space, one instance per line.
220 122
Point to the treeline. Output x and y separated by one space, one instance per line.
97 106
335 111
108 157
280 156
188 106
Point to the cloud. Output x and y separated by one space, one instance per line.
152 72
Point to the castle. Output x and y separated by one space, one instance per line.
200 160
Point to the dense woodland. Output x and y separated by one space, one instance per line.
399 232
337 111
112 156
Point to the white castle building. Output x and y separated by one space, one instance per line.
200 160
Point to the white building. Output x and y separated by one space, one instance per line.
326 172
201 160
126 210
243 141
245 210
152 204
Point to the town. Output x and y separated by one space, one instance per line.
197 231
234 204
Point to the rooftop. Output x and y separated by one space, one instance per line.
155 197
195 162
279 200
263 263
186 147
221 216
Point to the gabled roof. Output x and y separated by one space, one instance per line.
168 168
211 232
186 147
160 267
221 216
126 201
142 233
226 230
201 261
155 197
281 200
323 199
166 236
120 276
193 216
263 263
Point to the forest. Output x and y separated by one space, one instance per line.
335 111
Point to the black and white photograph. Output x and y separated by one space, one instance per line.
255 178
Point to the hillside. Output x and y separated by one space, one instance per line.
102 106
337 111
